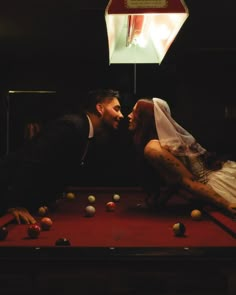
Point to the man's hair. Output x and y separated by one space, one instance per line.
97 96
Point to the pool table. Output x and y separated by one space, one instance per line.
131 250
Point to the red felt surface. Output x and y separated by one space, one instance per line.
132 224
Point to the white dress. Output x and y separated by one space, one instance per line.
184 146
222 181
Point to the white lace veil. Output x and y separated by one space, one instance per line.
171 135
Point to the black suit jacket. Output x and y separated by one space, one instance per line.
37 173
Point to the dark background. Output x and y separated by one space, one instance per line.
62 46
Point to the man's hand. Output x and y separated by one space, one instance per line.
22 215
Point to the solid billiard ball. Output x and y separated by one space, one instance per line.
3 233
196 214
110 206
46 223
33 231
90 211
43 210
70 196
62 242
116 197
179 229
91 199
46 209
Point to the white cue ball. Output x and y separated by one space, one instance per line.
91 199
90 211
116 197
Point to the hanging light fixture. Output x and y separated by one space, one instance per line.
141 31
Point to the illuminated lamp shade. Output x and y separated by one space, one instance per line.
141 31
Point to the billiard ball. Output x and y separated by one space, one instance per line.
179 229
33 231
116 197
91 199
43 210
62 242
70 196
110 206
46 209
46 223
3 233
196 214
90 211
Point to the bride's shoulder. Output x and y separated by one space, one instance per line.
152 146
153 143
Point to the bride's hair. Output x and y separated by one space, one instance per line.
145 123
